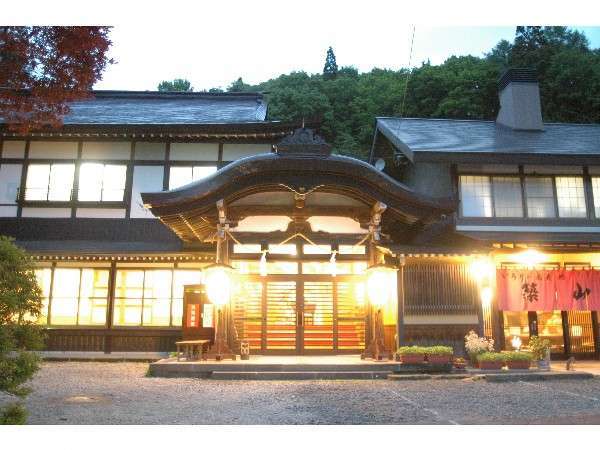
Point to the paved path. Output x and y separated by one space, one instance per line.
119 393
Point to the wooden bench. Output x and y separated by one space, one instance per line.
192 350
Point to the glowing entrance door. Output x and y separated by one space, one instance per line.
301 314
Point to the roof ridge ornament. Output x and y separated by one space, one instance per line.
303 141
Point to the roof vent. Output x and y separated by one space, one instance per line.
520 107
304 141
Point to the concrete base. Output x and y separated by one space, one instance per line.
276 367
100 356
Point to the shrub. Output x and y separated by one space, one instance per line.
412 350
13 414
476 345
538 347
491 356
517 356
439 350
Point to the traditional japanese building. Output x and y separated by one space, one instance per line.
451 226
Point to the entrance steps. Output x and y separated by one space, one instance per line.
277 368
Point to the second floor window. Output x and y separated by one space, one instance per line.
102 182
570 197
182 175
540 197
49 182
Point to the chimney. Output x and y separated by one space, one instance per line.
520 107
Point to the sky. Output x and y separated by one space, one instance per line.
209 54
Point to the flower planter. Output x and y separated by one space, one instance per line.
439 359
412 359
491 365
522 365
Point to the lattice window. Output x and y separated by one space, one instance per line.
507 197
540 197
571 197
476 196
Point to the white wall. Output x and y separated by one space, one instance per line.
106 150
231 152
13 149
10 180
145 179
52 149
183 151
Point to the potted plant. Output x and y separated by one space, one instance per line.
540 351
460 363
518 360
476 345
412 354
491 360
439 354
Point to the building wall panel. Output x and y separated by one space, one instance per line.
231 152
52 150
106 150
183 151
13 149
145 179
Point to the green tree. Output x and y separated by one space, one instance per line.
238 86
330 69
20 305
177 85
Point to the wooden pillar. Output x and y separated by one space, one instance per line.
566 335
596 334
112 275
533 324
400 315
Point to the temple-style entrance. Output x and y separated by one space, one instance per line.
301 314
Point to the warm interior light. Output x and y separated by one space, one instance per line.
530 257
482 269
516 342
262 266
486 296
333 265
217 279
381 284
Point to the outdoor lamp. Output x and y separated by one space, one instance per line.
381 287
381 283
516 342
217 279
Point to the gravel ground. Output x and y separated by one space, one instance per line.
119 393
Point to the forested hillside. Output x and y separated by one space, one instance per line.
463 87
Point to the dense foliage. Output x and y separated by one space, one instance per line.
463 87
44 68
177 85
20 304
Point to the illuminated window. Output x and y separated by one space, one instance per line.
476 196
540 197
282 249
246 248
182 175
596 193
570 196
507 197
151 297
352 250
180 279
79 297
309 249
44 278
275 267
49 182
102 182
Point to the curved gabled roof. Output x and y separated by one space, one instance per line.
191 210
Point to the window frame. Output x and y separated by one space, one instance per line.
126 182
191 165
22 191
172 297
589 198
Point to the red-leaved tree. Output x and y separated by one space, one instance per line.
42 69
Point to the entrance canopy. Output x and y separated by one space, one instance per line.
301 182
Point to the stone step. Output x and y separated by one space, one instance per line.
161 368
304 375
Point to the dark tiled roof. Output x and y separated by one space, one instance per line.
132 107
478 136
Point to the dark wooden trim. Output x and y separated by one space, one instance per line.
110 305
220 156
533 323
23 183
129 181
589 194
75 189
566 333
400 309
596 334
167 167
